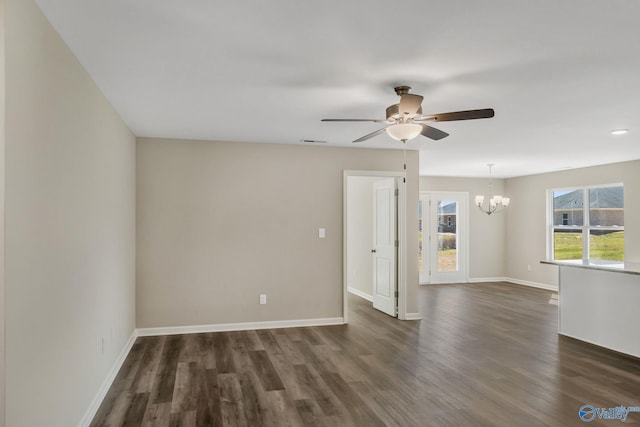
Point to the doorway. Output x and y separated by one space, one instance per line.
443 237
374 260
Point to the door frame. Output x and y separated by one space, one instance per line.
464 232
401 219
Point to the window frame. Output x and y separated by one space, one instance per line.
585 227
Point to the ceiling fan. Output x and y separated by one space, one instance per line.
406 120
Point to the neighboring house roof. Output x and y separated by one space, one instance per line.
604 198
448 209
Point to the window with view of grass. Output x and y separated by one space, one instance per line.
587 223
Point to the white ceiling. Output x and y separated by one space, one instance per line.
560 74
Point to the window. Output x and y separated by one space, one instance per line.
448 221
587 223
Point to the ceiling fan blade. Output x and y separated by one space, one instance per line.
355 120
433 133
410 103
370 135
486 113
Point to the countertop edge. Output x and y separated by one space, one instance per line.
628 268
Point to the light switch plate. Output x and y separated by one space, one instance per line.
321 233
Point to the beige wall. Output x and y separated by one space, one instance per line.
70 228
360 233
219 223
527 216
487 238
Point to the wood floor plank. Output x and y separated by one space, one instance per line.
282 411
286 342
309 412
252 398
143 382
284 362
287 375
269 342
484 355
266 373
348 365
361 413
208 413
309 335
232 406
157 415
314 386
165 381
252 341
189 348
223 354
135 412
183 419
186 389
206 355
313 359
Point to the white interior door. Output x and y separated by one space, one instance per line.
444 237
384 246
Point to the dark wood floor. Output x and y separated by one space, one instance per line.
483 355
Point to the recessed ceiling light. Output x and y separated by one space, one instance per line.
619 131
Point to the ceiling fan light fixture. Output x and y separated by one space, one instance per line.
404 131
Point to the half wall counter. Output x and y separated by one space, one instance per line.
599 303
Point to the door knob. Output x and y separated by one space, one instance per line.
373 251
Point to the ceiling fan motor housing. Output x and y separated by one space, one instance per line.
402 90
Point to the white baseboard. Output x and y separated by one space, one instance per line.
532 284
360 294
487 279
515 282
413 316
471 280
106 384
245 326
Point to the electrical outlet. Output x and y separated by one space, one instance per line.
263 298
102 344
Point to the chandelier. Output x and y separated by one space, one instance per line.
497 203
